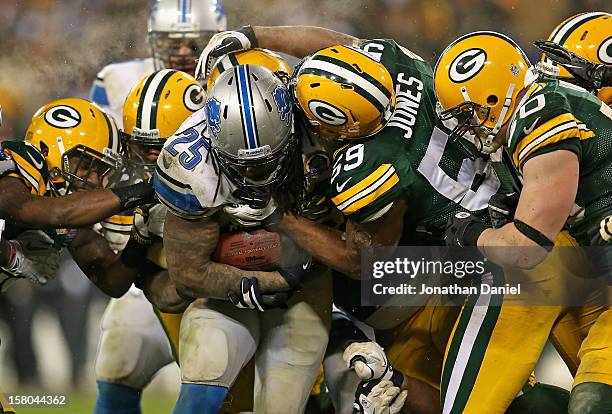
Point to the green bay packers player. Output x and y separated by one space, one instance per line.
50 162
557 136
588 36
232 163
407 177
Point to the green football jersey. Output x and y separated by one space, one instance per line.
556 115
411 157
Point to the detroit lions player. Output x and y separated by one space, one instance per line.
233 162
175 32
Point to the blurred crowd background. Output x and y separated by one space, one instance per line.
52 49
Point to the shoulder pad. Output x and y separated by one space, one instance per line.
366 178
187 180
31 164
543 118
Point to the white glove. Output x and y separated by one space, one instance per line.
150 222
116 240
220 45
34 257
245 216
383 398
369 361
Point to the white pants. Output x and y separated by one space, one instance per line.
217 340
133 345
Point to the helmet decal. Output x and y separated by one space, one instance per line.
63 116
605 51
193 97
283 103
327 113
220 11
213 115
467 65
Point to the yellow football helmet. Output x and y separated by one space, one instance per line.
154 109
79 141
260 57
589 35
344 92
477 79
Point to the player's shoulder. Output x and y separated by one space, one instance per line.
143 66
31 164
368 176
187 179
545 117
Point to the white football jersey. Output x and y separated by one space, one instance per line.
187 179
114 82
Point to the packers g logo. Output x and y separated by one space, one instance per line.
63 117
604 53
467 65
327 113
193 98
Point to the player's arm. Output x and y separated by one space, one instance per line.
160 290
101 265
299 41
549 191
189 245
74 210
342 250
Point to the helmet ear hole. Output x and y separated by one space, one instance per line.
315 85
254 76
225 111
356 66
492 100
230 80
346 86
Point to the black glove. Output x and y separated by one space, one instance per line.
251 297
135 195
502 208
294 274
587 74
463 230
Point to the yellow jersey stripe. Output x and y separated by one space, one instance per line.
370 179
30 174
387 185
550 127
119 219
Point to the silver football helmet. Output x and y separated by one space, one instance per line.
250 120
179 30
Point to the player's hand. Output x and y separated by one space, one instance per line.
381 398
293 274
33 257
222 44
247 216
148 223
587 74
502 208
368 359
463 230
250 296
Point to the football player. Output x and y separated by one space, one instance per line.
585 51
557 136
407 176
70 146
234 161
176 33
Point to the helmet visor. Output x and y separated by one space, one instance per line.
179 51
85 169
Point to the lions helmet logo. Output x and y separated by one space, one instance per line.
213 115
283 103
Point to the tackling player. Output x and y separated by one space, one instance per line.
557 136
234 162
176 33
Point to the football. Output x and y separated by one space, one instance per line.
256 250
